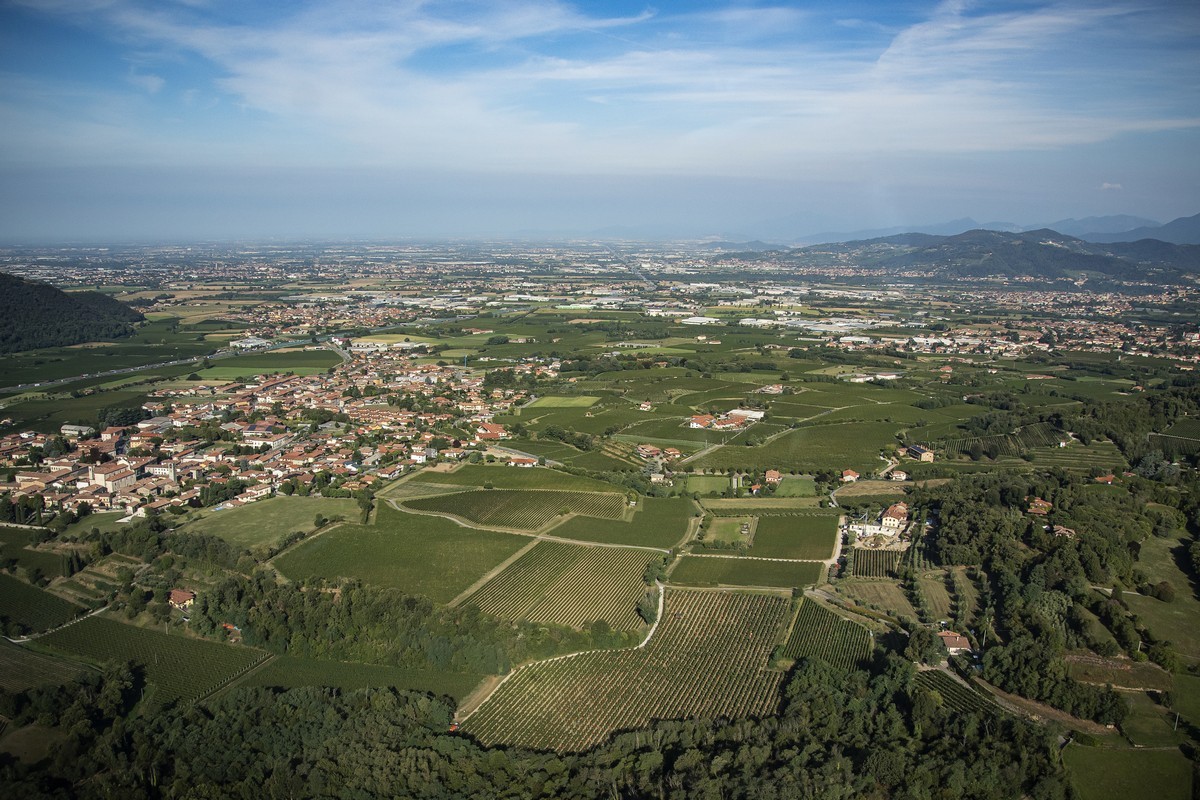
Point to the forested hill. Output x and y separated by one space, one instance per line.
1040 254
34 314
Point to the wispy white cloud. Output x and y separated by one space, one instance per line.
492 85
1111 187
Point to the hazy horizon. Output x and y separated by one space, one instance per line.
209 119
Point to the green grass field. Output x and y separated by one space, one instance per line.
807 537
796 486
32 608
289 672
657 522
578 401
267 521
705 484
417 553
881 595
1179 620
1110 774
179 668
702 571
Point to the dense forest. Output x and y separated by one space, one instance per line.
34 315
862 734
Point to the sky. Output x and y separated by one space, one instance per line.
164 120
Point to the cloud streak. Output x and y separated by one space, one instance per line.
542 85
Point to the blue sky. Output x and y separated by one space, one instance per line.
225 118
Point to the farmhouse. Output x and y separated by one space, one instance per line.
181 599
895 518
920 453
1039 506
849 476
899 475
773 476
954 643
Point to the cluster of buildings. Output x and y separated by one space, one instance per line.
344 425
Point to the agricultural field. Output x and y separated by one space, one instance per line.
955 695
301 362
505 477
180 669
17 543
1102 773
879 595
1080 457
31 608
821 633
289 672
22 669
708 658
805 537
937 597
577 401
521 509
267 521
729 530
876 563
569 584
694 570
796 486
96 582
657 522
1179 620
706 484
761 506
417 553
873 490
811 449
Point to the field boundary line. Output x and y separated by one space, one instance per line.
492 573
235 679
662 591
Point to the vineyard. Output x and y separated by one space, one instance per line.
1039 434
657 522
32 608
21 669
876 563
954 694
809 538
820 633
736 571
570 585
708 658
523 509
180 669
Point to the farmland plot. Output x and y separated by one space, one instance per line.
821 633
21 669
31 607
737 571
954 694
180 669
807 538
875 563
708 658
570 585
527 509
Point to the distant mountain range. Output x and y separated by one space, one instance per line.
34 314
1041 254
